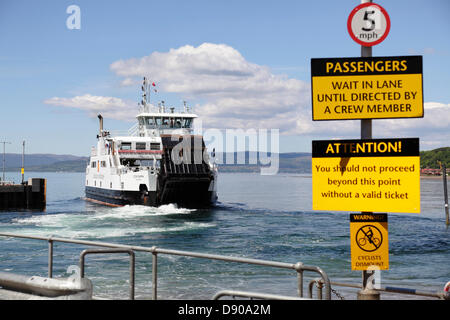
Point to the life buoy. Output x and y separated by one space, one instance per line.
447 287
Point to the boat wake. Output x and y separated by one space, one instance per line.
106 222
140 211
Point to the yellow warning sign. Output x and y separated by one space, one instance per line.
369 241
377 175
366 88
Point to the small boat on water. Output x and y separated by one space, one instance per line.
158 161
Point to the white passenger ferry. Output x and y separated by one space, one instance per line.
159 161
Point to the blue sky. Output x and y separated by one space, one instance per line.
51 75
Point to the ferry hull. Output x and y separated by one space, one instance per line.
172 194
116 197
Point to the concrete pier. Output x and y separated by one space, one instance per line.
30 195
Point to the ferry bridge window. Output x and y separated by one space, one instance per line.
158 121
125 146
140 145
178 123
165 121
187 123
150 121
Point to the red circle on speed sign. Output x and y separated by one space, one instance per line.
368 24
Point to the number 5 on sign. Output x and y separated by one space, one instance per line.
370 16
368 24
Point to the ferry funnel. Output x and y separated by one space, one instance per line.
101 124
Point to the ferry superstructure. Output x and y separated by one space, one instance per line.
159 161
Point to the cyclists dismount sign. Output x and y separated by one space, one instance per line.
369 238
369 241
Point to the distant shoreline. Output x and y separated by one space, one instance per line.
426 176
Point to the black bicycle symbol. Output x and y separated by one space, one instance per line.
369 238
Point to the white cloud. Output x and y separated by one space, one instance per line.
424 51
234 92
128 82
109 107
436 105
433 129
230 92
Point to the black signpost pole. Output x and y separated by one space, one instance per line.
366 124
367 293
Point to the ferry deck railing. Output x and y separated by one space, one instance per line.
6 183
299 267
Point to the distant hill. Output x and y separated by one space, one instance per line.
14 160
429 159
44 162
294 162
60 166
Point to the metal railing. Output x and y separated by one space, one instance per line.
109 251
408 291
299 267
253 295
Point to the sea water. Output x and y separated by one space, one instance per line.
261 217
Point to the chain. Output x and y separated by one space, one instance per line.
337 294
319 284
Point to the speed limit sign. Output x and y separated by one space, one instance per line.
368 24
